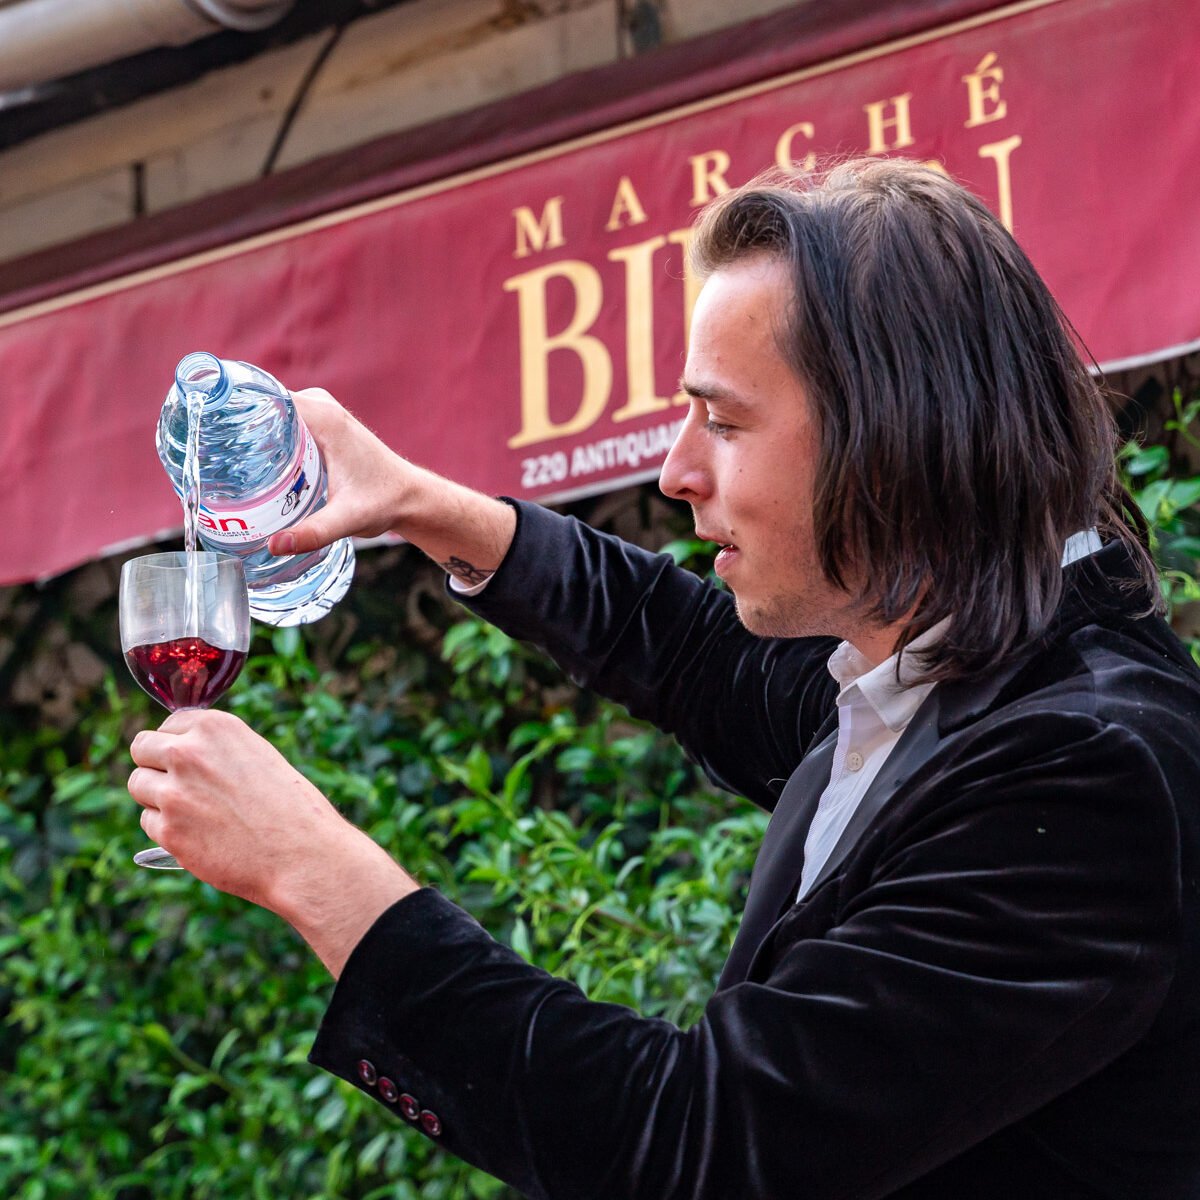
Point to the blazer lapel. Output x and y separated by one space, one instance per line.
781 856
777 870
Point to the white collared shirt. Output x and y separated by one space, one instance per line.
873 711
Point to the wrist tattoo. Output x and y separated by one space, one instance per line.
467 572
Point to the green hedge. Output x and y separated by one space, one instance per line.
1166 484
155 1031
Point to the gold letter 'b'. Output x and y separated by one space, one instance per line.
537 343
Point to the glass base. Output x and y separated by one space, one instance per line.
157 859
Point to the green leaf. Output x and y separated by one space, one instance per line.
330 1114
1150 499
1147 460
1188 545
223 1047
286 642
1184 493
520 939
477 770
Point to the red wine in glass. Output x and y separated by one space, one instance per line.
185 672
185 630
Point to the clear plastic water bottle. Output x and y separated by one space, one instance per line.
260 471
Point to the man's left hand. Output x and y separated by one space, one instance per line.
236 814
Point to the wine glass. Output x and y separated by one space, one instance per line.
185 631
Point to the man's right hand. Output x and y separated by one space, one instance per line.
366 479
373 490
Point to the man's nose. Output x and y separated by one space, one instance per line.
684 475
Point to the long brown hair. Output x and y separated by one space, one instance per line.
962 439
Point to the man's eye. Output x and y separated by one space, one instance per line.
715 427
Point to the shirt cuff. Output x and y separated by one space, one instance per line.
468 589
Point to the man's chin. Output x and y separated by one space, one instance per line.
758 620
775 620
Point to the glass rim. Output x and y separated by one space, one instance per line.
174 559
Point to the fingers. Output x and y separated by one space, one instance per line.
317 407
195 718
144 784
154 748
363 476
151 823
301 538
156 752
151 749
155 826
319 411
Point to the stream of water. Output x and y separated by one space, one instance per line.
191 509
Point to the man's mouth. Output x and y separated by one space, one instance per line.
725 550
725 558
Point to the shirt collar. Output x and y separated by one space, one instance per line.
896 701
1080 545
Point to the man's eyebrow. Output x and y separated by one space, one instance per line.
712 391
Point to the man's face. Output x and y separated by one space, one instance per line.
745 458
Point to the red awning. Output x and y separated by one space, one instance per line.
503 296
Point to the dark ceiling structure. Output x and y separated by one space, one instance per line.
36 110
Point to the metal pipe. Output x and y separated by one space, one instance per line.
42 40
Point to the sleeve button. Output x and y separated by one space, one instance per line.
388 1090
410 1107
431 1123
366 1072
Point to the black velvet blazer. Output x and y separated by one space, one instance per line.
991 991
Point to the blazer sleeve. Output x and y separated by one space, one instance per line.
668 646
1011 935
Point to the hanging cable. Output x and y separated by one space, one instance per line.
298 99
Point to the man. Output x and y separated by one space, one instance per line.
968 961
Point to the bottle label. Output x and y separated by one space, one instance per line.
237 525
